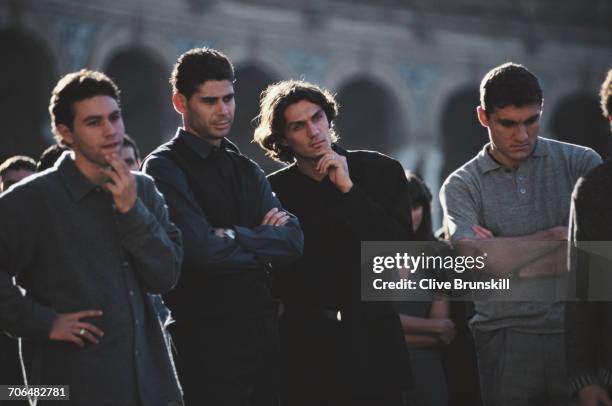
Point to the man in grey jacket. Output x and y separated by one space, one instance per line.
88 239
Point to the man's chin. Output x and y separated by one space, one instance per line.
522 155
316 157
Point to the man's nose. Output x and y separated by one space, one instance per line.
521 132
312 129
222 108
109 128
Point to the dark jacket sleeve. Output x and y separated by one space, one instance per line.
203 249
582 318
19 315
270 243
382 212
153 242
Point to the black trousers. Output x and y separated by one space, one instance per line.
318 369
228 361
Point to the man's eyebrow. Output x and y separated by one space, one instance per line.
509 121
318 111
506 121
204 97
99 116
532 118
290 123
92 117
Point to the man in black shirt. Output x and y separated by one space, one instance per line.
588 321
337 350
233 228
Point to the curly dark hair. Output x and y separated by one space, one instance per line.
606 95
271 120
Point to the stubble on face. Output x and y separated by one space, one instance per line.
209 112
307 131
513 133
97 133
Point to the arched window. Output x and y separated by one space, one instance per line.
369 117
145 97
28 76
463 136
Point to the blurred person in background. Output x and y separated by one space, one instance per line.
15 169
12 171
130 153
426 324
50 155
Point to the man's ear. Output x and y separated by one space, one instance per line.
179 101
482 116
65 133
283 142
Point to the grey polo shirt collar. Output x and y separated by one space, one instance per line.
486 163
76 183
201 147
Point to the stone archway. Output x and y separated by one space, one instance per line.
577 119
369 117
463 136
250 82
145 96
28 76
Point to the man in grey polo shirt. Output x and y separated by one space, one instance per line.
517 191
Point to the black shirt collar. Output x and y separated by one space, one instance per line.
203 148
339 150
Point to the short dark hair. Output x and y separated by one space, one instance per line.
509 84
74 87
271 120
16 163
198 65
606 95
129 142
49 156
